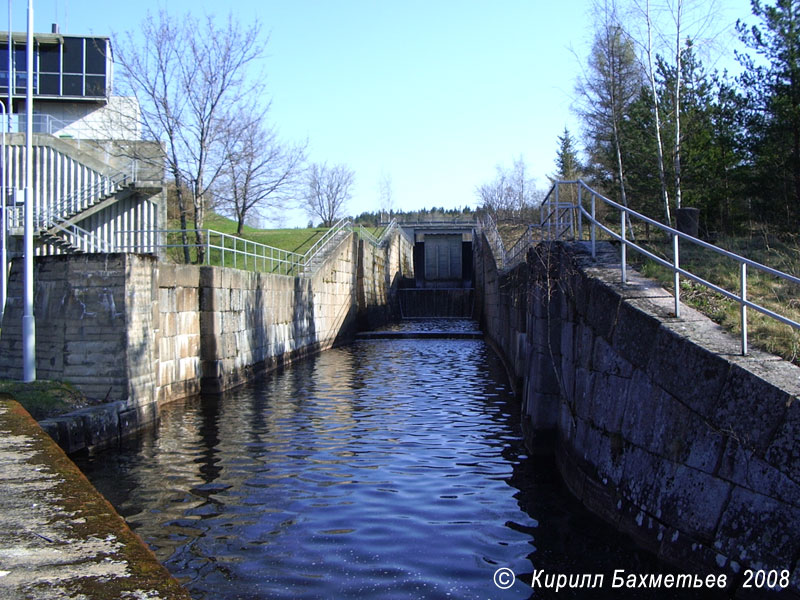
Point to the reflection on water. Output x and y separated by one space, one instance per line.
385 469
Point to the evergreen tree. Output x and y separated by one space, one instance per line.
773 92
567 161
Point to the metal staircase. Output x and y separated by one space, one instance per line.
56 225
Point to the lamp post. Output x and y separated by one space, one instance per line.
4 215
28 320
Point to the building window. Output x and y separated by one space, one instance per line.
96 56
73 85
73 55
65 66
50 58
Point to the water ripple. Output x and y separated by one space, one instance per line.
386 469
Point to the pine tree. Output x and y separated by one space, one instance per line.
774 102
567 161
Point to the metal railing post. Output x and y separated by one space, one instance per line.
580 213
623 248
208 247
676 261
743 285
593 231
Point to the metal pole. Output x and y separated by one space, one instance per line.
744 308
580 213
623 248
28 320
593 232
4 215
557 224
11 82
676 276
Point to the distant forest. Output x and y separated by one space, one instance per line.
374 219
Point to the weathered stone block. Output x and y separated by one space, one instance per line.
758 530
101 424
740 466
751 408
166 275
784 449
674 357
693 498
634 334
608 401
187 276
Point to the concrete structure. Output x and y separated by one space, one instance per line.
72 87
658 425
442 253
94 181
89 196
132 333
59 538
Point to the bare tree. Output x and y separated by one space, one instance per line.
678 14
189 76
260 173
510 193
385 192
651 73
327 191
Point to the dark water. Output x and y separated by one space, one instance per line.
385 469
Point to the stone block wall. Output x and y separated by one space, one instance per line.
380 270
89 323
177 331
132 333
657 424
254 321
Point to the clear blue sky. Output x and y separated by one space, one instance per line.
433 93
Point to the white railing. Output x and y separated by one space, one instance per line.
81 199
71 205
626 215
41 124
320 246
488 226
227 250
82 240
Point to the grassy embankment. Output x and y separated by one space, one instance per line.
775 294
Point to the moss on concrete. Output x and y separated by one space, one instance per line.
80 516
45 399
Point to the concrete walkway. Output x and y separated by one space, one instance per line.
59 538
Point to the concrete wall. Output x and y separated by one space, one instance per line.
380 270
74 171
132 333
657 425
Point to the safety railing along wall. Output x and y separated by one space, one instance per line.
488 226
588 202
226 250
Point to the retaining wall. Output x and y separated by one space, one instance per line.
657 424
132 333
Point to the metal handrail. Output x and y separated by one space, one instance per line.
77 235
72 204
319 246
488 226
626 214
